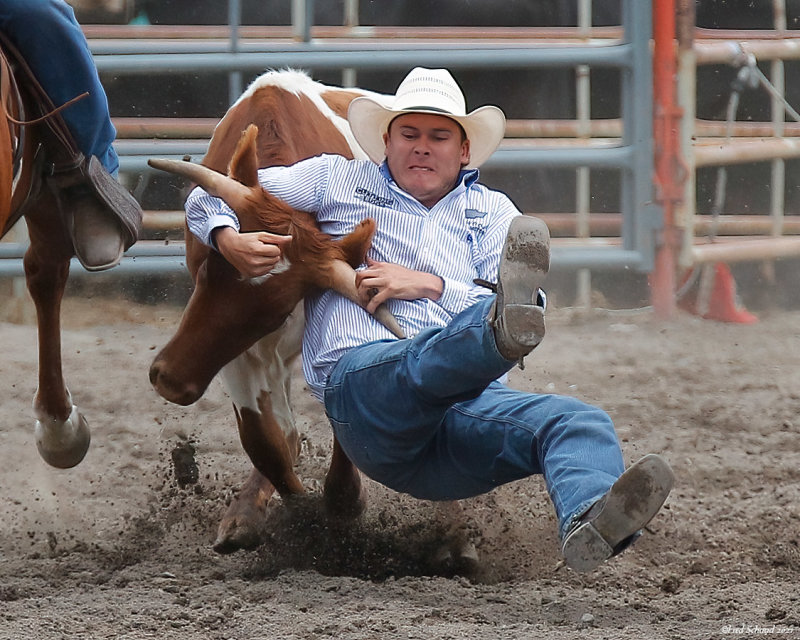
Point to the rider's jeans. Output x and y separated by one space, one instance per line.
50 39
426 416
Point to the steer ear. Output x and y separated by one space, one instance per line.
244 164
354 245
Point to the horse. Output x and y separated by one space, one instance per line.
61 432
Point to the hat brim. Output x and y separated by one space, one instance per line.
369 120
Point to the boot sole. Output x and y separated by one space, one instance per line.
630 504
525 260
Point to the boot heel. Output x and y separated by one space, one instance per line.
524 323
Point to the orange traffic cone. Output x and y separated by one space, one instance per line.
713 295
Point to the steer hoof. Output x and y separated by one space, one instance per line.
243 530
345 502
457 557
63 443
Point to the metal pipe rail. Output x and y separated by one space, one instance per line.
627 49
612 128
98 33
377 56
555 153
632 155
752 249
101 35
742 151
609 225
142 259
133 158
730 51
134 128
192 46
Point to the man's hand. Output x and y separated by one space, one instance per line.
253 254
381 281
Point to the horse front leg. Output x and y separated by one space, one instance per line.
62 434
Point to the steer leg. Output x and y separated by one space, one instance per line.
345 496
457 552
259 382
270 451
241 526
62 434
273 456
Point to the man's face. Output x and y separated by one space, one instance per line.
425 153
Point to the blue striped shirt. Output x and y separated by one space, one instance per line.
459 239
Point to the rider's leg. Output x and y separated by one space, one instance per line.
103 218
49 38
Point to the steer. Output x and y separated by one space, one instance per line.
250 330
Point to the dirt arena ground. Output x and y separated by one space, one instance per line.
116 549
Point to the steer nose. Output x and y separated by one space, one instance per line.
154 371
172 389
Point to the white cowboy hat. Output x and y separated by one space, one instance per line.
426 91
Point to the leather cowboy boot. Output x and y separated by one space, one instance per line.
616 520
517 316
103 219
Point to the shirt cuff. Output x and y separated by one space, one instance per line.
217 222
454 295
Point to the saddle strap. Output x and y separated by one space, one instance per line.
10 92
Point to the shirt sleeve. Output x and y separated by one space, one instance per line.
204 213
301 185
456 295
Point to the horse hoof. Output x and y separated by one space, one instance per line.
63 443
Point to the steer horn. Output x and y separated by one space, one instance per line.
344 282
233 192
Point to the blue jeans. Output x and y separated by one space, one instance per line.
425 416
50 39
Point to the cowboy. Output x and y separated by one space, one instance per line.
82 166
427 415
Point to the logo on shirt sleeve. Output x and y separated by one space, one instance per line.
372 198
